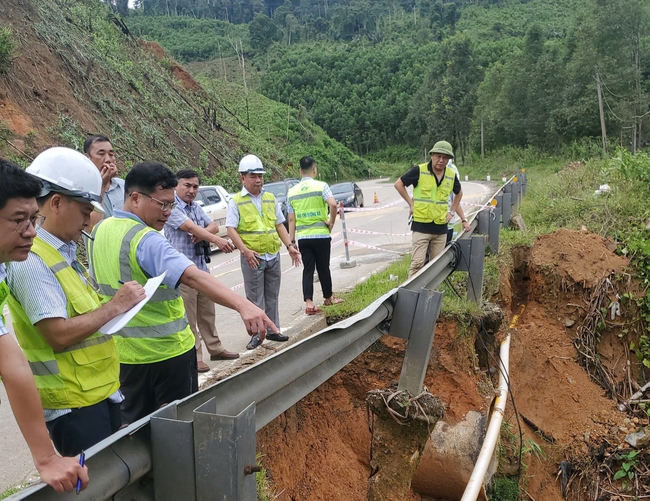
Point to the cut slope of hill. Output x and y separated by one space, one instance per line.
76 72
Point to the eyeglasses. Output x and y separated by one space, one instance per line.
165 206
22 225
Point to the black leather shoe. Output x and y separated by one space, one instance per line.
254 342
277 337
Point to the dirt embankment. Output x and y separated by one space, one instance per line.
319 449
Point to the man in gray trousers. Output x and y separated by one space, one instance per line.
254 221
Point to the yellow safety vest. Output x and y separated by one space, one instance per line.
309 208
4 295
82 374
256 230
430 201
160 330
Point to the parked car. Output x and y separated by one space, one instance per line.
280 190
214 200
348 193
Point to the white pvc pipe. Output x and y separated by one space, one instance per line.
494 429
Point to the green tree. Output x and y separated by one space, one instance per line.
263 32
443 107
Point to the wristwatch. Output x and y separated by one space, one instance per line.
463 220
291 245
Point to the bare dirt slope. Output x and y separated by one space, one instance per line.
319 450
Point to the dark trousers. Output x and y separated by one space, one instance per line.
147 387
315 253
84 427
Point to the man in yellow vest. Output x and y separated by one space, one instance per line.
432 183
156 348
254 221
56 312
309 223
18 219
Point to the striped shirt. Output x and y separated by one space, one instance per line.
38 291
182 240
327 193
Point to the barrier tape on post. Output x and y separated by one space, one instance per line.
359 244
368 232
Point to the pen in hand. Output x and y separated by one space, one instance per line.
82 460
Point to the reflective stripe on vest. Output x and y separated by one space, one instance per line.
309 208
160 330
81 374
256 230
430 201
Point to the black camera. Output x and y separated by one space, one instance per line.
203 249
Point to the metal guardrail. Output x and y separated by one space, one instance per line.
203 447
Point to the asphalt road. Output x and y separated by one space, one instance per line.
387 221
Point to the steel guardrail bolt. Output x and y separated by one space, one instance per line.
249 469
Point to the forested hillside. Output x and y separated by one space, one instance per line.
72 68
386 73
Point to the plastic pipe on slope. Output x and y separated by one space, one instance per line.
485 457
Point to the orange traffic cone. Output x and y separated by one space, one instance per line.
376 200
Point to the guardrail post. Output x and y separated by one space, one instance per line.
172 443
471 260
483 222
506 207
420 338
475 278
224 453
516 193
524 182
494 227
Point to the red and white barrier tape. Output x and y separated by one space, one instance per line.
368 232
358 244
224 263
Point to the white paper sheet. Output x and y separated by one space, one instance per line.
120 321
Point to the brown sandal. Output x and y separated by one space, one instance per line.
332 300
313 310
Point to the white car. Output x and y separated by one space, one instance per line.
214 200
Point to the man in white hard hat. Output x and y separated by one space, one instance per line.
157 355
432 183
18 219
255 225
57 314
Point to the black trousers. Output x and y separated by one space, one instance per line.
147 387
315 253
84 427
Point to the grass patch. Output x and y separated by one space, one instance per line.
7 50
265 490
365 293
12 490
505 489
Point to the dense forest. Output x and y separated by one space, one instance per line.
383 75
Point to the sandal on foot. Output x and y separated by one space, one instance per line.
313 310
332 300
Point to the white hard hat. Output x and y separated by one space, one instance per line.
70 173
252 164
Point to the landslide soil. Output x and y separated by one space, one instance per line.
319 449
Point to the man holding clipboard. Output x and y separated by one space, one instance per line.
156 348
57 314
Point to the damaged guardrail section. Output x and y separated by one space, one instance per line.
203 447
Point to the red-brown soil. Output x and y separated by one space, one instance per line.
319 449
